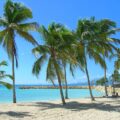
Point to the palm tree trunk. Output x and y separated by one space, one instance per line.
106 92
13 74
87 74
53 83
113 88
66 85
59 81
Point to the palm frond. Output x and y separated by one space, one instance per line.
41 49
16 12
3 76
2 35
28 26
50 73
3 22
37 65
98 58
27 37
7 85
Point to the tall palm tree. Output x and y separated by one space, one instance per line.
89 46
72 66
13 22
107 28
115 78
66 84
117 62
54 50
3 75
95 36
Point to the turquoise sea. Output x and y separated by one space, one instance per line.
36 95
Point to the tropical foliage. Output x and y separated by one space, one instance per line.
101 81
56 49
95 38
116 76
13 22
90 46
3 76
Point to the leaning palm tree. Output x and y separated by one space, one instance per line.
89 46
54 50
13 22
95 36
3 75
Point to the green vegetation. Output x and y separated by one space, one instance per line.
62 47
13 22
102 81
55 50
94 42
3 75
115 78
116 75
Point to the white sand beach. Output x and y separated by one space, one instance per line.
75 109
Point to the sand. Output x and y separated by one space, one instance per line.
75 109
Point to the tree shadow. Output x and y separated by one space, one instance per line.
76 106
16 114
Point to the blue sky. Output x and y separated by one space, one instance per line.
66 12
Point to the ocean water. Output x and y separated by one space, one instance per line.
36 95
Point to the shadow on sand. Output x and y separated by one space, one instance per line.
76 106
16 114
110 106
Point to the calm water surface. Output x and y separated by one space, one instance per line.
31 95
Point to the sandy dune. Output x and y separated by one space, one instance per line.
75 109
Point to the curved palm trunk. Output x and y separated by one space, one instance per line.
66 85
13 74
59 81
106 92
87 74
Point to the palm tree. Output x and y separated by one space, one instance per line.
13 22
107 28
66 84
54 50
72 66
3 75
117 62
115 77
95 37
89 46
101 81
